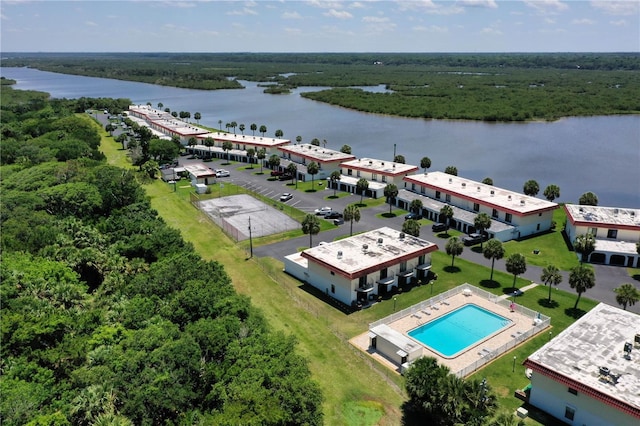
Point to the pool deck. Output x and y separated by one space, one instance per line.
520 326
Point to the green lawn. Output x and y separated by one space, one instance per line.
356 390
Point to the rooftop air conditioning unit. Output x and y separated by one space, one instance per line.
522 202
340 254
402 235
379 241
478 189
509 198
464 184
365 247
493 192
382 163
450 180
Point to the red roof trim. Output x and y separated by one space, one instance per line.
593 393
603 225
380 172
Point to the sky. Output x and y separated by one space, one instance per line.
319 26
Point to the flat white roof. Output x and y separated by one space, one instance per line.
481 193
597 340
199 170
245 139
399 340
167 121
316 153
596 216
384 247
389 168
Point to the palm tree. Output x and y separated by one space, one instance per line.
447 212
311 226
227 126
313 169
226 147
273 161
160 105
531 188
399 159
581 279
585 245
551 276
626 295
315 142
191 143
263 129
219 125
334 178
298 139
494 251
261 155
482 222
551 192
416 206
454 248
391 192
209 142
517 265
487 181
197 116
279 133
588 199
292 169
451 170
233 126
411 227
351 213
361 186
425 163
253 128
346 149
251 152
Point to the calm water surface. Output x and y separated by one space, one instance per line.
598 154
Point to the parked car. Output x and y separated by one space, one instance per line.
222 173
439 227
338 221
286 197
414 216
285 177
277 172
472 239
333 215
323 210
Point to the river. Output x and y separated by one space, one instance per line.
599 154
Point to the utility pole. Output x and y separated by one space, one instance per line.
250 240
394 152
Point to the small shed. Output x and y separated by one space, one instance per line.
201 188
394 345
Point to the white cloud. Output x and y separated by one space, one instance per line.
291 15
375 19
338 14
90 24
326 4
431 29
620 23
3 17
547 6
242 12
583 21
624 8
293 31
491 4
549 21
491 31
180 4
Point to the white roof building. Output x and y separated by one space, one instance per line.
590 373
617 231
328 160
379 173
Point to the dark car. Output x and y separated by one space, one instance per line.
276 173
472 239
439 227
285 177
333 215
413 216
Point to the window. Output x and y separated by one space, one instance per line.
374 177
421 259
437 195
537 227
448 198
333 288
384 273
349 172
508 217
333 273
358 173
572 391
384 178
422 190
403 266
612 233
413 186
593 231
362 282
494 213
569 412
476 207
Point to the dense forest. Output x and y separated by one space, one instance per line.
108 315
489 87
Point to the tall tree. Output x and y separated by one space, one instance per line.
292 169
233 126
263 129
454 248
346 149
550 277
273 161
399 159
588 199
626 295
209 142
160 105
191 143
391 192
361 186
447 212
226 147
279 133
219 125
251 152
494 251
109 128
451 170
311 226
517 265
313 169
531 188
197 116
261 155
551 192
581 279
315 142
411 227
334 178
585 244
482 222
253 128
425 163
351 213
415 206
298 139
487 181
241 127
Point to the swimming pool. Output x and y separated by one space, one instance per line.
458 330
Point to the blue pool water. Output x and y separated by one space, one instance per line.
459 329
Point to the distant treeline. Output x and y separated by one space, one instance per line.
491 87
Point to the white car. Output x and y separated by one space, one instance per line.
286 197
323 211
222 173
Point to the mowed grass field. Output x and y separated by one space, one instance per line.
357 391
